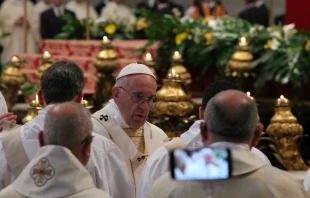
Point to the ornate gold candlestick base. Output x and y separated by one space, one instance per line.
32 110
284 128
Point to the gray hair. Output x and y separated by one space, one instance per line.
231 116
67 124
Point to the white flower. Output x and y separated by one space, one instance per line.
176 12
288 28
100 20
212 23
276 34
186 18
275 44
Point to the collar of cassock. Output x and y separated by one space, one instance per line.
117 115
53 172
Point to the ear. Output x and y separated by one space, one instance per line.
201 113
257 134
203 132
41 98
41 140
79 98
116 94
87 148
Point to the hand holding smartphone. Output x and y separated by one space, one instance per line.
201 164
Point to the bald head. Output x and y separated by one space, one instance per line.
231 116
67 124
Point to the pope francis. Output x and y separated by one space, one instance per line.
123 120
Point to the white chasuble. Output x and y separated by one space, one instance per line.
54 172
79 10
105 124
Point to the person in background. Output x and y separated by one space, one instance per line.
79 7
39 8
256 12
51 22
198 9
12 21
57 169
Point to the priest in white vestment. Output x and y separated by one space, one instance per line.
3 106
79 7
11 21
230 120
158 163
57 170
117 12
123 120
64 81
39 8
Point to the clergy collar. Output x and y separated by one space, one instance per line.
232 146
117 114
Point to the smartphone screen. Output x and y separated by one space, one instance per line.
201 164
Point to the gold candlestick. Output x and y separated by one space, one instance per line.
33 110
46 62
177 65
106 63
284 128
12 80
148 61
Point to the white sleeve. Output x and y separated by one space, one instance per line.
156 165
3 107
118 176
307 181
6 177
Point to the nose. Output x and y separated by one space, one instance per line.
145 106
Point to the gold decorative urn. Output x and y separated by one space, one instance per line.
238 66
173 100
172 111
179 68
284 128
33 110
148 61
12 80
46 62
106 63
86 104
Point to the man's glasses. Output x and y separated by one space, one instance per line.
140 98
87 139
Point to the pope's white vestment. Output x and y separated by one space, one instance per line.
158 163
3 107
79 9
251 177
10 11
109 123
39 8
106 164
307 181
53 172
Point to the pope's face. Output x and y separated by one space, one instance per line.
135 114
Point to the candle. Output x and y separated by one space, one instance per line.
282 101
46 54
249 95
177 55
173 72
148 57
37 99
105 39
243 41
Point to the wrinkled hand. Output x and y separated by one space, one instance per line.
10 117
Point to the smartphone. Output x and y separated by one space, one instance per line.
201 164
